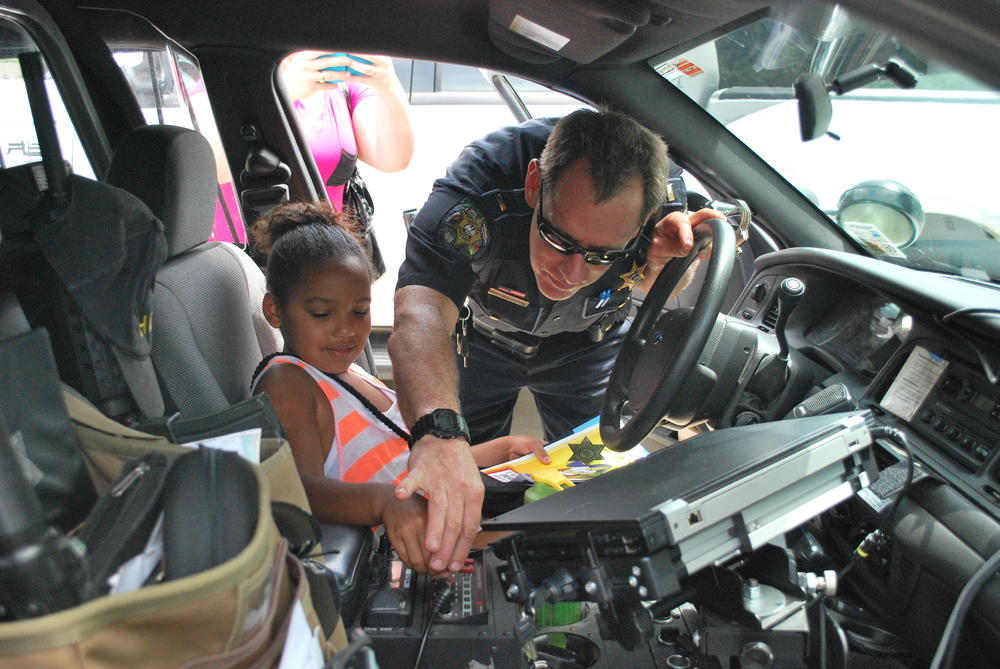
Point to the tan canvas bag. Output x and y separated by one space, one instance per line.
233 615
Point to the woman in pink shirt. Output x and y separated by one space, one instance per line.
350 107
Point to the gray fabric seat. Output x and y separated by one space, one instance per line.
208 329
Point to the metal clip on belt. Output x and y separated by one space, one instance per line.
524 346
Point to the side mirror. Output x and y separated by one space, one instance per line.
887 206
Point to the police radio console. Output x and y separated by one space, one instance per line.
676 558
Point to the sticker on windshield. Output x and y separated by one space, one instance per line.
873 239
678 66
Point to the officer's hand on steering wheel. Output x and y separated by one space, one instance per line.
673 237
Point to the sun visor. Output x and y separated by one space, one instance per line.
579 30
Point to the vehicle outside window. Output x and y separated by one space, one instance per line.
168 85
908 174
17 130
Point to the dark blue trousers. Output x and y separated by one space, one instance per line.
567 377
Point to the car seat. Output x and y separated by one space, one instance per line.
209 331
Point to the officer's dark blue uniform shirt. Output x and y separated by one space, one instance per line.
470 239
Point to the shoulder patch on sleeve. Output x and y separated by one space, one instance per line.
463 228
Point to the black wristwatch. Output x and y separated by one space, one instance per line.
442 423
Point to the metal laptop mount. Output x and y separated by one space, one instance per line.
691 513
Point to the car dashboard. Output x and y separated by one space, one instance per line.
919 351
859 324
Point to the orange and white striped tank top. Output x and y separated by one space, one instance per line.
364 450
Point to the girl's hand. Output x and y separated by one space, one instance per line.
405 523
500 450
517 445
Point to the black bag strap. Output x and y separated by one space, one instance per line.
303 534
253 412
385 420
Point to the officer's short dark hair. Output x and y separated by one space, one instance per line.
617 147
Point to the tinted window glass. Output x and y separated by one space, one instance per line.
168 85
18 140
461 78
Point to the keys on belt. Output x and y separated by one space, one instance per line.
462 334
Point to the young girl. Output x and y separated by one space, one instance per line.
348 439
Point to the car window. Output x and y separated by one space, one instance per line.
464 78
461 78
430 77
17 129
169 87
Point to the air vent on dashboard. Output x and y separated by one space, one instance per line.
771 317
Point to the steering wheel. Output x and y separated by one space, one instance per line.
646 333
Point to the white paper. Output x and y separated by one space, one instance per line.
538 33
246 443
134 573
913 383
508 475
302 649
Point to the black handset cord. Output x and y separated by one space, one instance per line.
944 657
445 594
349 388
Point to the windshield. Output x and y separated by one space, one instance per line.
909 173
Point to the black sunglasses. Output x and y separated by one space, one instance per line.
566 245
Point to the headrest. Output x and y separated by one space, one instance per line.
172 170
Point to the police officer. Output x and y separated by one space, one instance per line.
540 233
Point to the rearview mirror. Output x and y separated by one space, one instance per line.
815 108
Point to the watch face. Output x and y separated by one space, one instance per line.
447 421
442 423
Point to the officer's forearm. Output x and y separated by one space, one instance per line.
422 353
